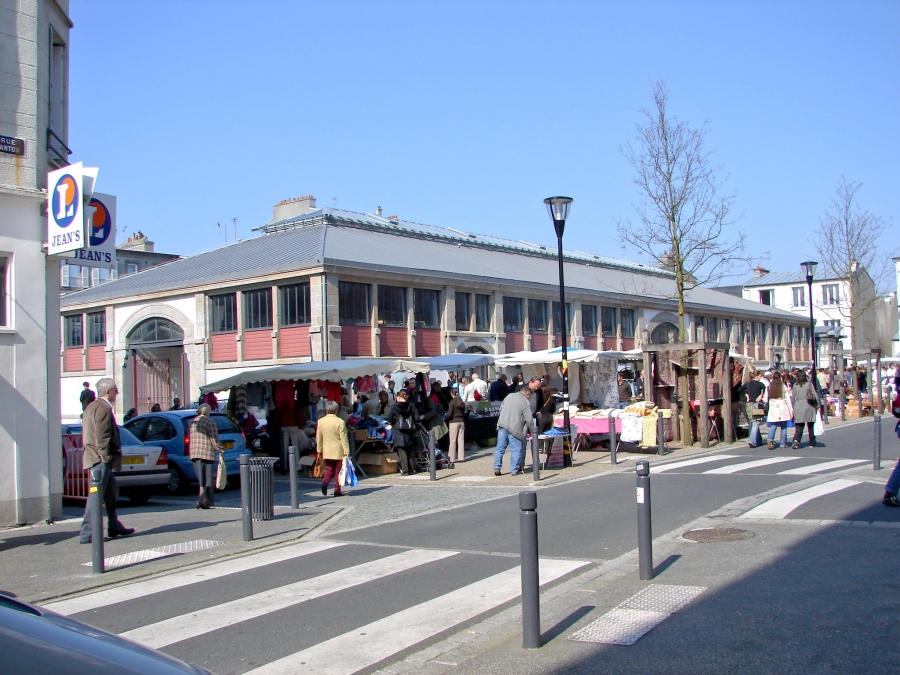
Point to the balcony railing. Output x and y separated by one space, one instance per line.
57 150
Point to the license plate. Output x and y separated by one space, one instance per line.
132 460
228 445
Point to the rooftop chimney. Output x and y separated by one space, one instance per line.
138 242
378 211
759 271
291 208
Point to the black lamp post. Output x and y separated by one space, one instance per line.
809 269
558 207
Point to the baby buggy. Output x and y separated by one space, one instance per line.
421 452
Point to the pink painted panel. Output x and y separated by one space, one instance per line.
73 360
428 341
96 357
394 341
356 341
257 344
515 342
293 341
539 341
224 347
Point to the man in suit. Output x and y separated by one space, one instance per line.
103 448
87 397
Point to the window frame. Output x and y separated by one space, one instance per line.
517 305
462 311
92 330
426 301
831 294
554 309
589 328
798 292
538 321
628 334
606 331
483 298
257 306
350 295
294 299
219 316
5 290
70 322
388 297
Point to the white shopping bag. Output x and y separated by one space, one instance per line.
818 427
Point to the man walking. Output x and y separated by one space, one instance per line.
103 449
514 424
87 397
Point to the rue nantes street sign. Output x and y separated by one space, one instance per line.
12 146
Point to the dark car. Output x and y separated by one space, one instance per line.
171 430
36 641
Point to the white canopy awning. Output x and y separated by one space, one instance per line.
553 356
332 371
458 361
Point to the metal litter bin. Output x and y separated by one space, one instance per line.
262 487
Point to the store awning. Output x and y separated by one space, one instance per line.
552 356
459 361
332 371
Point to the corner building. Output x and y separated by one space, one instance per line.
327 284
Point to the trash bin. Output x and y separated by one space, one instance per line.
262 487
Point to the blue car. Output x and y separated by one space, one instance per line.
171 430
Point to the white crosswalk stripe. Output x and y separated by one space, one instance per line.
780 507
691 462
367 645
734 468
824 466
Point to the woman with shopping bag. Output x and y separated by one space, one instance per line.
332 445
806 405
780 410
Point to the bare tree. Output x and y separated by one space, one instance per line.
684 214
847 242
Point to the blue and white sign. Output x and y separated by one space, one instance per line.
100 216
67 191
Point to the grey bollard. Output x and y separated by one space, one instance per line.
246 513
531 581
292 462
645 529
535 457
613 458
432 460
660 434
98 564
876 461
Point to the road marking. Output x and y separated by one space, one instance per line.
691 462
734 468
374 642
147 554
780 507
141 589
227 614
824 466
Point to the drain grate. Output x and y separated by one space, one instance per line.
147 554
715 535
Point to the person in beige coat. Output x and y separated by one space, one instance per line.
332 444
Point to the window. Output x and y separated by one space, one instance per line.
712 329
513 320
131 268
799 299
74 333
294 305
832 323
96 325
762 334
155 330
391 306
765 297
627 316
258 309
608 321
537 316
4 291
463 313
556 324
831 294
353 303
779 334
727 324
741 333
59 62
482 312
751 332
426 308
159 429
589 319
224 313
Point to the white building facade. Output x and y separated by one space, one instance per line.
34 35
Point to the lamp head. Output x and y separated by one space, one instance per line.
809 268
558 208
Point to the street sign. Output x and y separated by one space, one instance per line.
12 146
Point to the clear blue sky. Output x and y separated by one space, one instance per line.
468 114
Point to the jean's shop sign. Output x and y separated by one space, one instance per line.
100 234
68 194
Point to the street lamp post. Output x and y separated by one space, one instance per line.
809 269
558 207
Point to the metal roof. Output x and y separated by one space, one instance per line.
350 243
779 278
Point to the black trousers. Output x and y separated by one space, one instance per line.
798 432
205 471
109 489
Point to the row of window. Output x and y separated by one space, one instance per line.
75 333
294 307
831 295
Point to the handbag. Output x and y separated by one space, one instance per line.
221 475
348 474
319 467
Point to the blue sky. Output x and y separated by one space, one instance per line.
468 114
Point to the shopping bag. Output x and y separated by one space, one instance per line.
818 427
318 467
221 475
349 474
343 473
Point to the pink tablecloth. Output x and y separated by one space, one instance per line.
596 425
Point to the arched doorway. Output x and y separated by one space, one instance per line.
474 350
660 334
158 366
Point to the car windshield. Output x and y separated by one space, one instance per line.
223 424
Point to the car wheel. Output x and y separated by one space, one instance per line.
139 495
177 484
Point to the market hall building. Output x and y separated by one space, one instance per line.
326 284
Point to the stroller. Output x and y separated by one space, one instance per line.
421 452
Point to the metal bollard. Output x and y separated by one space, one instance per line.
246 514
535 457
531 582
645 530
876 462
613 459
98 565
432 460
292 463
660 434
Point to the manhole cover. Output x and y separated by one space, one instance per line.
712 535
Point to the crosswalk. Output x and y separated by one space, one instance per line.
736 464
345 607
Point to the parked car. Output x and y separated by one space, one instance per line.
144 466
172 429
40 642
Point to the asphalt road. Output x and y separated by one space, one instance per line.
469 565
